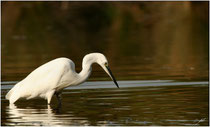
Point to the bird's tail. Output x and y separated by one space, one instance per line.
13 95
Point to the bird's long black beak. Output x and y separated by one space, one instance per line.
112 76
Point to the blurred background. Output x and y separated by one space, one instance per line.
141 40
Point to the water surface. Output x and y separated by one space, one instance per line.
155 102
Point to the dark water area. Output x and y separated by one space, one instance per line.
135 103
158 51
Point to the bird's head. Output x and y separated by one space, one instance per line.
102 61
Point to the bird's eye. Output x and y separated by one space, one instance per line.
106 64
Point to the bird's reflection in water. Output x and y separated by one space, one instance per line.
41 117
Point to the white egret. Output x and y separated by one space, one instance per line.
51 78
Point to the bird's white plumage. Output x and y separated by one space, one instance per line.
44 80
53 77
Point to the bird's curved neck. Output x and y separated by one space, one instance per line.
85 73
86 70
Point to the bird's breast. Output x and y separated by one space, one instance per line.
68 79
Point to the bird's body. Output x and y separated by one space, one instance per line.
51 78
